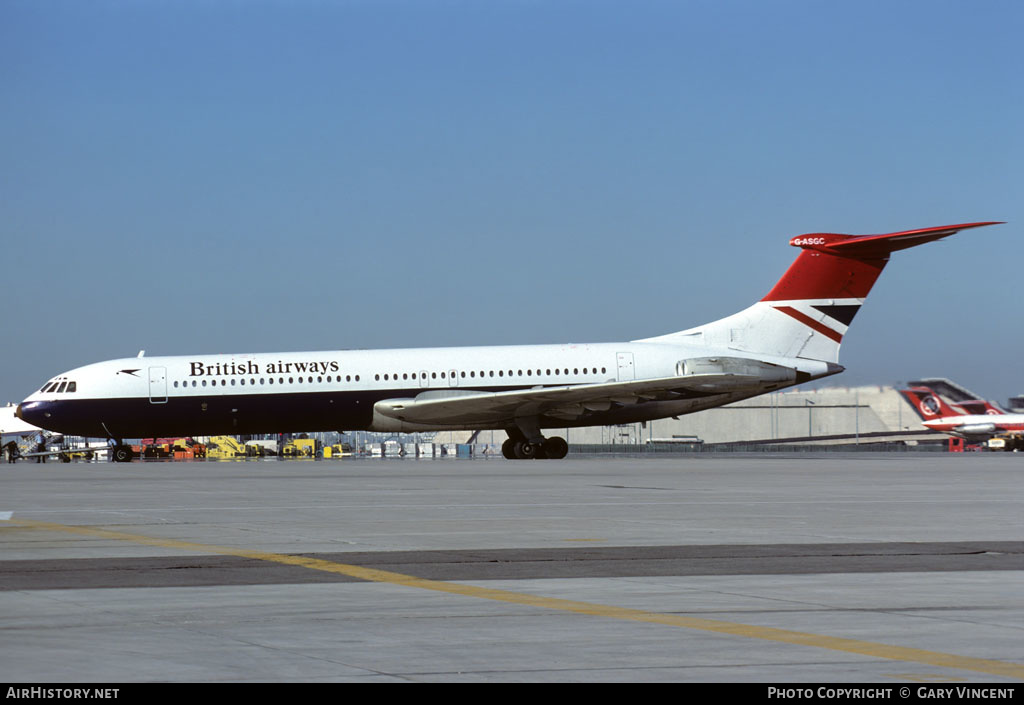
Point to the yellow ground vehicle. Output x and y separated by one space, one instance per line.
1008 442
224 448
300 448
338 450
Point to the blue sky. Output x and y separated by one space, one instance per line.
212 176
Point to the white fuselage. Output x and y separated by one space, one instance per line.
337 390
978 425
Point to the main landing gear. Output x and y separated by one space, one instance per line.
518 447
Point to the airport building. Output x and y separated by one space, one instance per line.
830 415
871 415
822 416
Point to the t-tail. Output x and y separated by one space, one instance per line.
809 310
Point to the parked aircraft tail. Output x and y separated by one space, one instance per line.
929 405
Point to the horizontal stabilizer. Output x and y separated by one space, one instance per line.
877 246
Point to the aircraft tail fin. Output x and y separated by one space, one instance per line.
929 405
809 310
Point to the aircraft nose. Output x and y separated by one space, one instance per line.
29 412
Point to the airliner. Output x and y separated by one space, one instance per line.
789 337
937 415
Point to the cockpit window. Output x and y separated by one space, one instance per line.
50 387
72 387
61 387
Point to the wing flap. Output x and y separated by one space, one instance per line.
565 402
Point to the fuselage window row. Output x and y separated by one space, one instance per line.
71 386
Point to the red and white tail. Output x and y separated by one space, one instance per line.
809 310
929 405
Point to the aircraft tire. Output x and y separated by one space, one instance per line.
556 448
529 451
508 449
121 454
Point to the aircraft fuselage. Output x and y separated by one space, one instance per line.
334 391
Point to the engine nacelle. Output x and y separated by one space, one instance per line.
765 371
976 429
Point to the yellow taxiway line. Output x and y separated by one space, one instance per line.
785 636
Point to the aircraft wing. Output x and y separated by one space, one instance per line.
462 406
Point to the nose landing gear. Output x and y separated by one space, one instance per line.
121 453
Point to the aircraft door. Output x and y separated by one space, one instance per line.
453 378
158 385
625 363
424 378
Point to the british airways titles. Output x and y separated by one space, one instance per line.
224 369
